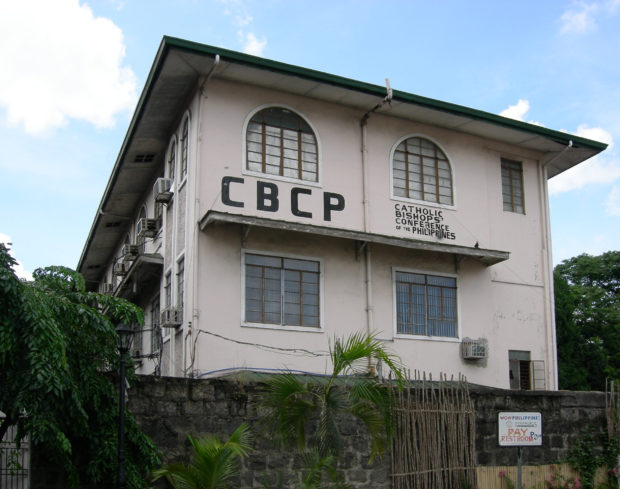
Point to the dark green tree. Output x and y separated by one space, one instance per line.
57 358
587 307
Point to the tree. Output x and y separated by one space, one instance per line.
57 350
587 305
214 463
293 403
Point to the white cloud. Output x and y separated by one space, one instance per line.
602 169
596 133
612 205
60 62
518 111
18 268
583 16
253 45
579 21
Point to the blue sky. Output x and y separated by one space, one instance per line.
71 73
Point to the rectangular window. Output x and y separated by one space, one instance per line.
155 331
426 305
283 291
512 186
168 291
180 282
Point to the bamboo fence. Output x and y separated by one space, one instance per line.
434 441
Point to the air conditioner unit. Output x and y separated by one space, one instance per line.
171 317
474 349
107 289
120 269
161 190
130 252
147 228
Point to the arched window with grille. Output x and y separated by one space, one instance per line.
422 171
172 159
184 146
279 142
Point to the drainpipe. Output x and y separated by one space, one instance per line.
194 324
365 207
550 337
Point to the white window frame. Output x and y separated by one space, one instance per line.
165 332
179 296
307 329
448 339
172 145
268 176
184 141
417 201
521 182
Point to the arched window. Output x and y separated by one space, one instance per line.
172 159
184 147
421 171
280 142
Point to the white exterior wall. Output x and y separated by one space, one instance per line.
508 303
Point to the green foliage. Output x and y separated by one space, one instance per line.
293 403
318 472
585 459
587 291
56 344
214 463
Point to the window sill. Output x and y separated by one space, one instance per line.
305 329
269 176
445 339
423 202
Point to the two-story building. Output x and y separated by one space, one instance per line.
257 210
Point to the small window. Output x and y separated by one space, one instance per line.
279 142
426 305
168 290
172 158
421 171
519 367
512 186
155 331
184 147
282 291
180 282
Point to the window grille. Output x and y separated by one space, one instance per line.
426 305
512 186
421 171
279 142
283 291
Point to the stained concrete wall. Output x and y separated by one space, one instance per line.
168 409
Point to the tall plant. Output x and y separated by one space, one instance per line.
293 402
214 462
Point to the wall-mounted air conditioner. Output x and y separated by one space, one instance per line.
130 252
147 228
171 317
474 349
161 190
107 289
120 269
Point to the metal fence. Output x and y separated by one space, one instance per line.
14 461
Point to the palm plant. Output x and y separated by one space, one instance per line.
293 403
213 465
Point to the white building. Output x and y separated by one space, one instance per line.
257 210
